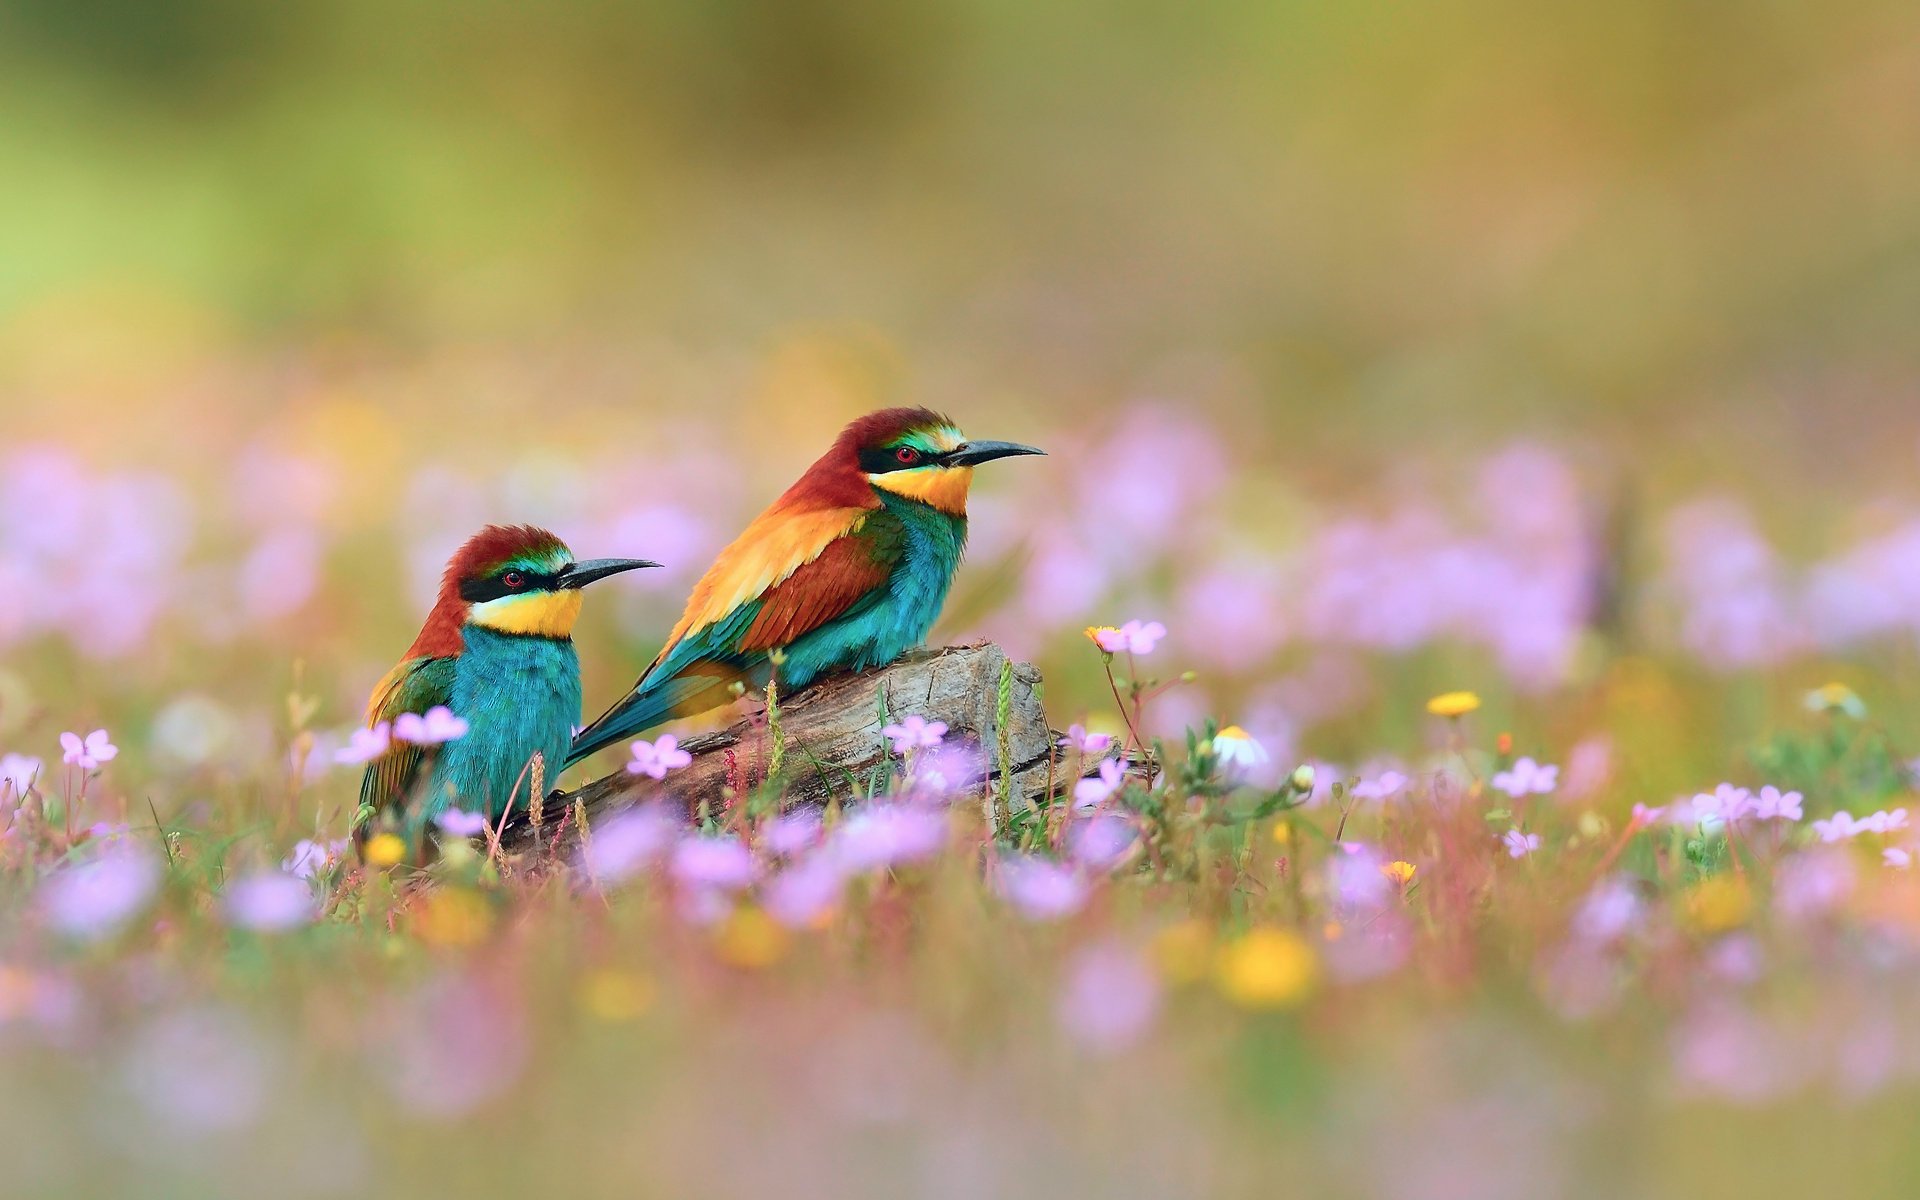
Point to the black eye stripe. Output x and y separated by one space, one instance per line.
479 591
880 461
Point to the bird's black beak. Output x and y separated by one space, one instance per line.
580 574
969 454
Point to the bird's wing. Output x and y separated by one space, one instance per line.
713 647
725 606
414 686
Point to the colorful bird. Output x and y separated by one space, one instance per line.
847 570
497 654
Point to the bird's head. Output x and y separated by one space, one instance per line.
921 455
521 580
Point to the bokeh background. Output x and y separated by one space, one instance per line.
1565 353
1466 343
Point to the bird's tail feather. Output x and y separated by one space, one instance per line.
649 705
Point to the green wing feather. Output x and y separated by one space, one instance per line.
414 686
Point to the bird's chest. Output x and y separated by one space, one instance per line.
519 695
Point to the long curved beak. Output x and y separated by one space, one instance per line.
580 574
969 454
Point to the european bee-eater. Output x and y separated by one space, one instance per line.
846 570
497 651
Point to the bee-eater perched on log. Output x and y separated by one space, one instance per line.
847 570
497 651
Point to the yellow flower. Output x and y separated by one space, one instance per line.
1453 704
1717 904
1282 834
614 995
1267 968
750 939
453 917
384 850
1400 872
1182 951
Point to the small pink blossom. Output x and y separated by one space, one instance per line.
1109 999
88 753
1039 889
1647 814
1080 741
881 836
311 858
1096 790
270 902
17 773
1774 805
789 833
656 758
915 733
365 745
805 893
1135 637
1527 778
457 823
434 727
1381 787
621 846
94 898
1898 859
1519 844
1102 842
721 863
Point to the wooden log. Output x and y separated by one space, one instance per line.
835 748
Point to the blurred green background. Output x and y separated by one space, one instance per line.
1325 219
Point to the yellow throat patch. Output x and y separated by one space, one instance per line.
537 614
944 488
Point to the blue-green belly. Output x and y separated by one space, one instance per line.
519 695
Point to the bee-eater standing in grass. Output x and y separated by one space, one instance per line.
497 651
847 570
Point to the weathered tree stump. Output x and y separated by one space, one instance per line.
834 744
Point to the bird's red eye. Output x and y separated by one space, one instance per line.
906 456
513 579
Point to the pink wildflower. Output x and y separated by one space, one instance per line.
311 858
722 863
94 898
915 733
1080 741
1135 637
87 753
458 823
1519 844
656 758
1039 889
270 902
365 745
1096 790
17 773
434 727
1527 778
1109 999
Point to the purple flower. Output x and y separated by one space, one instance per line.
365 745
1610 910
311 858
886 836
17 772
1102 842
1109 999
915 733
1646 814
789 833
1775 805
1527 778
1135 637
1838 828
1519 844
1039 889
619 847
714 862
88 753
804 894
1355 883
1096 790
434 727
92 899
1885 821
1380 787
1898 859
654 759
945 770
270 902
1081 742
457 823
